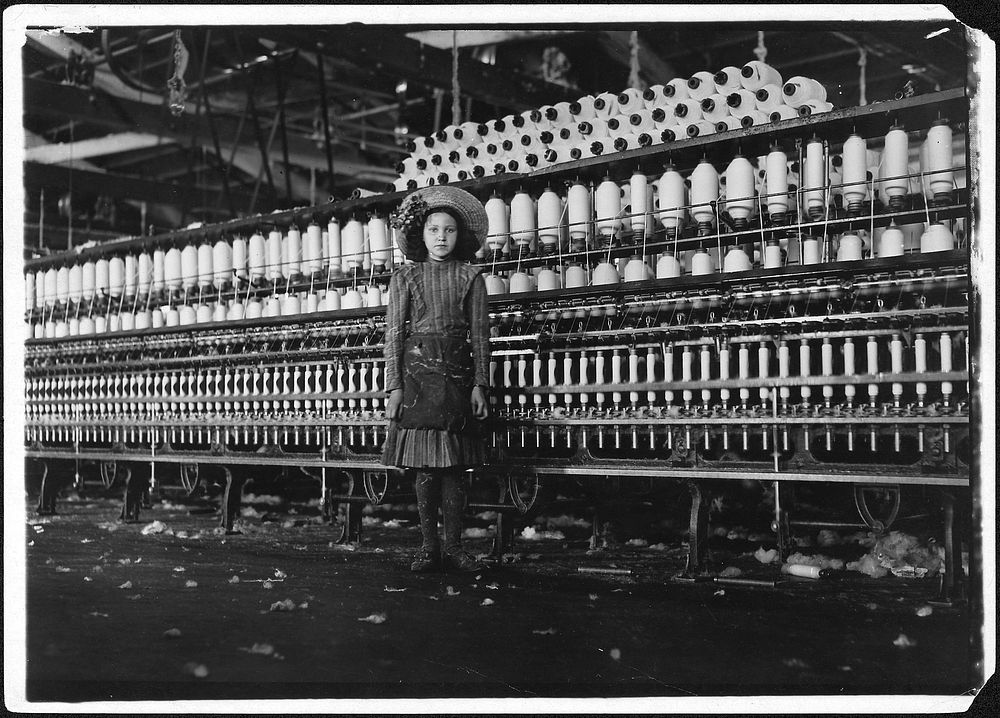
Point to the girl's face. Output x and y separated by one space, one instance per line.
440 236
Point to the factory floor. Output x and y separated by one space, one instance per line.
175 610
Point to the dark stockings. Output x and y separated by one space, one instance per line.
440 489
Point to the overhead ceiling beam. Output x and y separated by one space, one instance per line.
473 38
95 147
54 100
122 186
397 54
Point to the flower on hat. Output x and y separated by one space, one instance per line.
411 213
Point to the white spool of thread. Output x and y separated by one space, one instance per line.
254 310
702 263
777 184
605 106
126 321
273 248
373 296
783 112
890 244
522 219
755 74
798 90
667 266
62 285
736 260
715 108
495 285
203 314
173 272
87 327
769 98
815 180
353 241
576 276
312 250
741 102
582 109
498 223
102 280
608 201
205 266
144 274
672 209
676 89
116 276
239 261
39 283
653 97
352 299
636 270
740 191
814 107
606 273
171 317
629 100
772 255
520 282
855 173
700 128
704 191
143 319
189 267
236 311
74 281
222 264
727 80
61 330
336 250
187 315
331 301
754 118
257 257
940 178
580 213
291 253
378 241
701 85
29 291
687 111
131 275
811 249
895 167
639 200
547 280
289 305
936 238
550 210
849 249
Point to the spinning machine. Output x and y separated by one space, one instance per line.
783 300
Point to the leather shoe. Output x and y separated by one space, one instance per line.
462 561
426 562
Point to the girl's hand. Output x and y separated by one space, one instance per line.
480 407
394 406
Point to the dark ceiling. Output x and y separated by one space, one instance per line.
107 157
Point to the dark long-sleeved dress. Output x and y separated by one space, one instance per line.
436 350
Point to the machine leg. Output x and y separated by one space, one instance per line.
136 484
697 531
780 524
47 493
231 499
351 532
503 542
953 581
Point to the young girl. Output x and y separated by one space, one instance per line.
437 362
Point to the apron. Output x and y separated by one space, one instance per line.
437 383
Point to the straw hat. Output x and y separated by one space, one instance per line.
409 220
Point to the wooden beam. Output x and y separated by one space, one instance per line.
123 186
95 147
396 54
50 99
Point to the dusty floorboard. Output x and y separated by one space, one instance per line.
102 598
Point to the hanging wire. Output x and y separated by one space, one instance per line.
456 110
862 84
